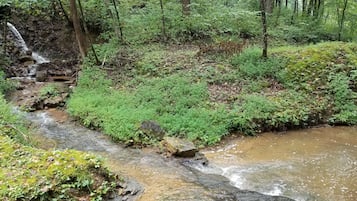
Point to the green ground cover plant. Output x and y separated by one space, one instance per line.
46 175
178 104
295 88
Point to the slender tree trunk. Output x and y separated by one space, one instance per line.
303 6
119 22
269 6
321 8
4 35
163 28
110 13
343 15
264 26
186 7
286 3
65 13
309 7
295 12
77 28
86 32
278 4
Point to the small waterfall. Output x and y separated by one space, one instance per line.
20 42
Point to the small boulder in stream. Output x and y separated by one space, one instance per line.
152 129
179 147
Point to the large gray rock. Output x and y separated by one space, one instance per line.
152 130
179 147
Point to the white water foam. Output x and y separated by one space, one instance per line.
20 42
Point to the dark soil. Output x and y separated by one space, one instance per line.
52 38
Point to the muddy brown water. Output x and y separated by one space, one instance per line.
314 164
311 164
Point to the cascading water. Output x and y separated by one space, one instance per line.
20 42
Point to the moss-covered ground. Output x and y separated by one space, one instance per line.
205 98
28 173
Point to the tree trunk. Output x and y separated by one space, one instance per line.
295 13
264 25
186 7
342 21
65 13
310 7
86 32
163 28
119 22
4 36
77 28
269 6
303 6
278 4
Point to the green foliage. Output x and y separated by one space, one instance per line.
5 84
50 175
287 109
274 93
308 68
50 90
344 99
32 7
180 106
252 65
10 123
251 114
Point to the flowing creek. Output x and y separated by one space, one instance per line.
313 164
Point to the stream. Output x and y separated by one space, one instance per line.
313 164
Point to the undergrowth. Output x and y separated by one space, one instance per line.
179 105
295 87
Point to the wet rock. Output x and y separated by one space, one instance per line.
29 63
221 189
179 147
198 159
130 191
25 58
41 76
52 102
152 129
